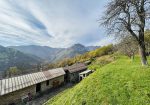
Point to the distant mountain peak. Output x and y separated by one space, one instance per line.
78 46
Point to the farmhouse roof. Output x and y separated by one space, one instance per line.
16 83
75 67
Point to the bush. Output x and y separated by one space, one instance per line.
101 61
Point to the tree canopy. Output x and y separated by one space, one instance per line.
128 17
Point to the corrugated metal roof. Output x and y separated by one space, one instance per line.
76 67
16 83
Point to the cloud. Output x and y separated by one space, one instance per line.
53 23
19 25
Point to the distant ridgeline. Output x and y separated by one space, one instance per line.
49 54
26 59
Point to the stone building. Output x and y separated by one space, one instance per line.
26 87
72 72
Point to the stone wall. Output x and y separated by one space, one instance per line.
44 87
15 97
74 77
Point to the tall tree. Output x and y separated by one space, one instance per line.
128 17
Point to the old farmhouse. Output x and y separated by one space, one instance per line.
72 72
25 87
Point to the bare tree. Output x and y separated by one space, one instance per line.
128 46
128 17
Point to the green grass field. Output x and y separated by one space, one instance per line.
122 82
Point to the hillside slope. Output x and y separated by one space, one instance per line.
121 82
10 57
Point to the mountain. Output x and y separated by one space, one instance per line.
71 52
44 52
10 57
50 54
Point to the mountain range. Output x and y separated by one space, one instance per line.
49 54
29 57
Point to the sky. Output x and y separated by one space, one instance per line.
54 23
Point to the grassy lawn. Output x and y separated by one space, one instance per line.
122 82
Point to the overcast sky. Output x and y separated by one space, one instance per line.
55 23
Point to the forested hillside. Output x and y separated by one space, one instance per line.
13 58
86 57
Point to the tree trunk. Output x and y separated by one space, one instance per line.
133 56
143 54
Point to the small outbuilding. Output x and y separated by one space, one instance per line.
84 74
24 88
72 72
87 62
